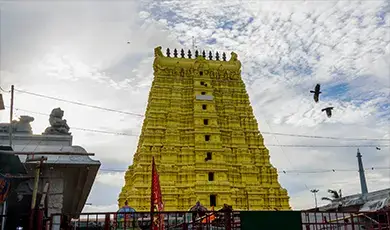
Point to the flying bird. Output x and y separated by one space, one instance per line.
328 111
316 92
128 42
378 148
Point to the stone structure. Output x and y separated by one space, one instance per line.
18 126
58 126
69 170
369 202
200 127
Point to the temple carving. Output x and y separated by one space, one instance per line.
200 128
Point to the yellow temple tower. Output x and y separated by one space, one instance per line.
200 127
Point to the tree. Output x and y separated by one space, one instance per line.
334 195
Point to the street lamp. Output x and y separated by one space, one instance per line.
314 191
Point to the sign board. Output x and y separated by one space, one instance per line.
204 97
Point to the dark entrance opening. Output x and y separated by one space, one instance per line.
211 176
213 200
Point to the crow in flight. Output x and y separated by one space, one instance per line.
328 111
378 148
316 92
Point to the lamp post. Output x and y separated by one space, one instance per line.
314 191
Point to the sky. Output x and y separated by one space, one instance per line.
78 51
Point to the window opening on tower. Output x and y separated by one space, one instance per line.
208 156
204 107
213 200
201 83
207 137
211 176
203 93
201 73
206 121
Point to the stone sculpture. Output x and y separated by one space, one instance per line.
158 52
23 125
18 126
58 126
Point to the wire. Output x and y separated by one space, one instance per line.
379 168
327 137
270 133
79 103
285 155
140 115
105 132
29 111
327 146
271 145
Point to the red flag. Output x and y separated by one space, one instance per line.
156 200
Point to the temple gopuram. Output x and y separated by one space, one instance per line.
200 128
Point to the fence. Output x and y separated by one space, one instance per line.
245 220
346 221
143 220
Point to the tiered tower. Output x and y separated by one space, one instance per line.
200 127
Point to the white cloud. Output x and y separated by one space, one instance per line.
115 179
100 208
285 49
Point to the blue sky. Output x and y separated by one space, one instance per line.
79 51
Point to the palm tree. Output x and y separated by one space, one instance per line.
334 195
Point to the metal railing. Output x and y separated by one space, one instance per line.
218 220
142 220
346 221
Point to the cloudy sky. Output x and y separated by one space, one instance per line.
79 52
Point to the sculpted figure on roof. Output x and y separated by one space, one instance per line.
58 126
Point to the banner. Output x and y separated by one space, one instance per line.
156 200
5 185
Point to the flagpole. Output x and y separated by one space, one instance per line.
11 113
156 204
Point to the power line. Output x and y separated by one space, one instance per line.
105 132
317 171
79 103
269 133
328 146
285 155
270 145
327 137
379 168
29 111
